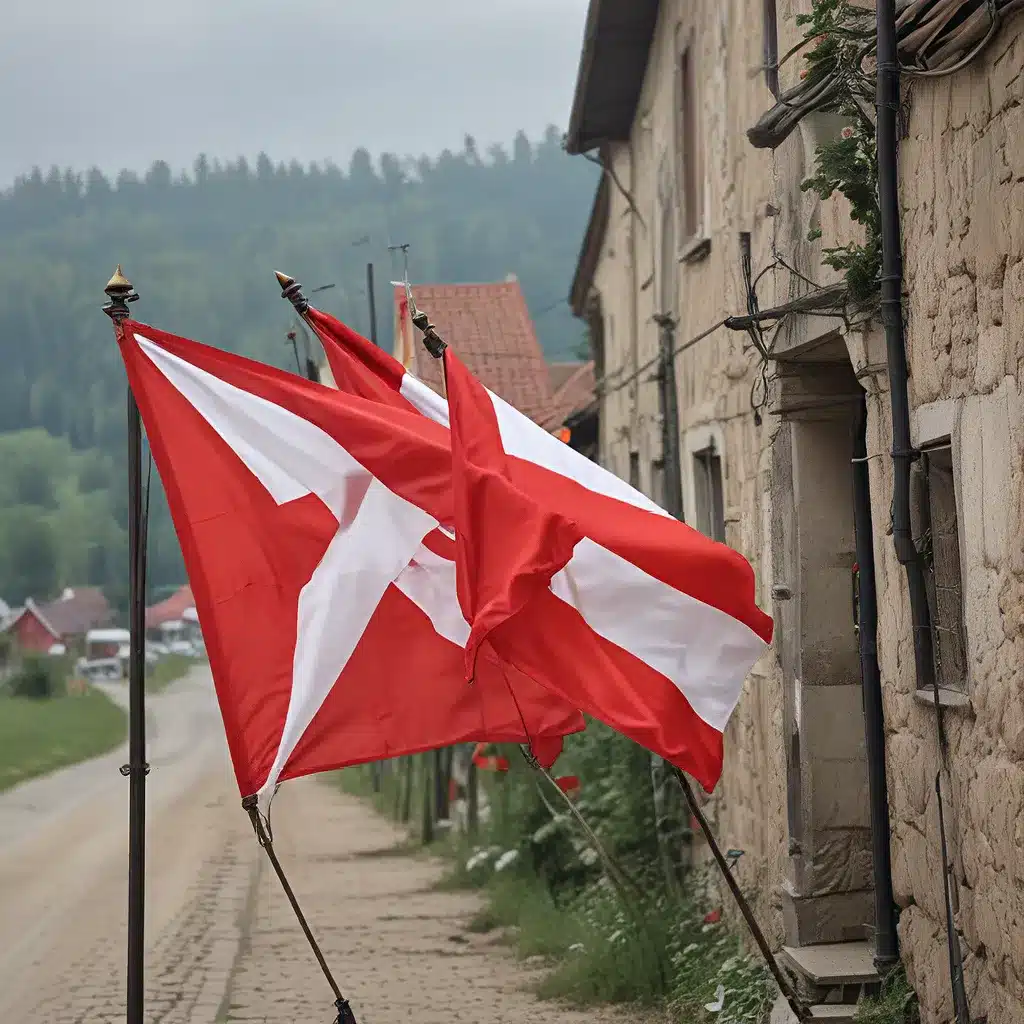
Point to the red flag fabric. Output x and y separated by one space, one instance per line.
507 547
568 784
310 523
674 624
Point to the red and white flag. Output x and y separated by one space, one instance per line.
673 617
314 529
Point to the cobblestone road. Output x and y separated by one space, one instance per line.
398 947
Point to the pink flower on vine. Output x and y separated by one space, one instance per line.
803 74
847 132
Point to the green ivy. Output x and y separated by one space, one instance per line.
839 36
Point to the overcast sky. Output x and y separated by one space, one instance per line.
303 79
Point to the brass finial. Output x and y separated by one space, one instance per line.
292 291
120 292
431 339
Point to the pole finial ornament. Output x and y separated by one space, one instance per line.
120 292
432 341
292 291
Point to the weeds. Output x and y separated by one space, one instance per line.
896 1004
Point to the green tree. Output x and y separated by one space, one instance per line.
28 548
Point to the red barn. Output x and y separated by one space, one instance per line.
64 621
31 630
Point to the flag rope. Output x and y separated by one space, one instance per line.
265 839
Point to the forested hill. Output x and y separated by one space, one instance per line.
201 247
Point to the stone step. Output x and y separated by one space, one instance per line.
834 1013
839 963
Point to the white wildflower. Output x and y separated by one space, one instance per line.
719 1001
508 858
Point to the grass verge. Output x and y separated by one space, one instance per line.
167 670
654 954
40 736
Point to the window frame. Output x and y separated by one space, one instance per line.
936 424
688 163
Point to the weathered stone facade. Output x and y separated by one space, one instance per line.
962 185
794 792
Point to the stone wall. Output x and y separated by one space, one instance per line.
715 376
962 181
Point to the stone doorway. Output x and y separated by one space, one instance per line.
828 889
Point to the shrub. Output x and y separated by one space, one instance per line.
38 678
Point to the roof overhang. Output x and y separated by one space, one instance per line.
616 44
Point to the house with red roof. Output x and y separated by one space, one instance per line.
171 609
65 621
489 325
574 415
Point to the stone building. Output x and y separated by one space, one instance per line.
704 246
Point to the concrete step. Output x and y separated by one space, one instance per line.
840 963
834 1013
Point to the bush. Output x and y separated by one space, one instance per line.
39 678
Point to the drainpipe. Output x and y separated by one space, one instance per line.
888 102
887 143
886 943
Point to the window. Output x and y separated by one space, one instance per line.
634 470
687 150
658 482
939 544
707 484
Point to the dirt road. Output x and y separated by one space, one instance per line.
63 860
222 944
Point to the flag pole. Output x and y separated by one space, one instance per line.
120 292
265 839
785 987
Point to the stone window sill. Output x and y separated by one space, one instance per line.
695 250
956 699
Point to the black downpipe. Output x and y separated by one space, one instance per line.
903 453
887 142
886 943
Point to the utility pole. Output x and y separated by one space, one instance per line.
668 401
371 299
674 839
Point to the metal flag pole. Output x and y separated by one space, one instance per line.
266 840
119 293
801 1012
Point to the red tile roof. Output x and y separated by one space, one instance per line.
76 611
170 609
489 326
574 386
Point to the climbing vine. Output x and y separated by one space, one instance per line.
838 37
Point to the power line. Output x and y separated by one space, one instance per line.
602 386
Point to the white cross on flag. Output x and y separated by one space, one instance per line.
650 626
312 525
